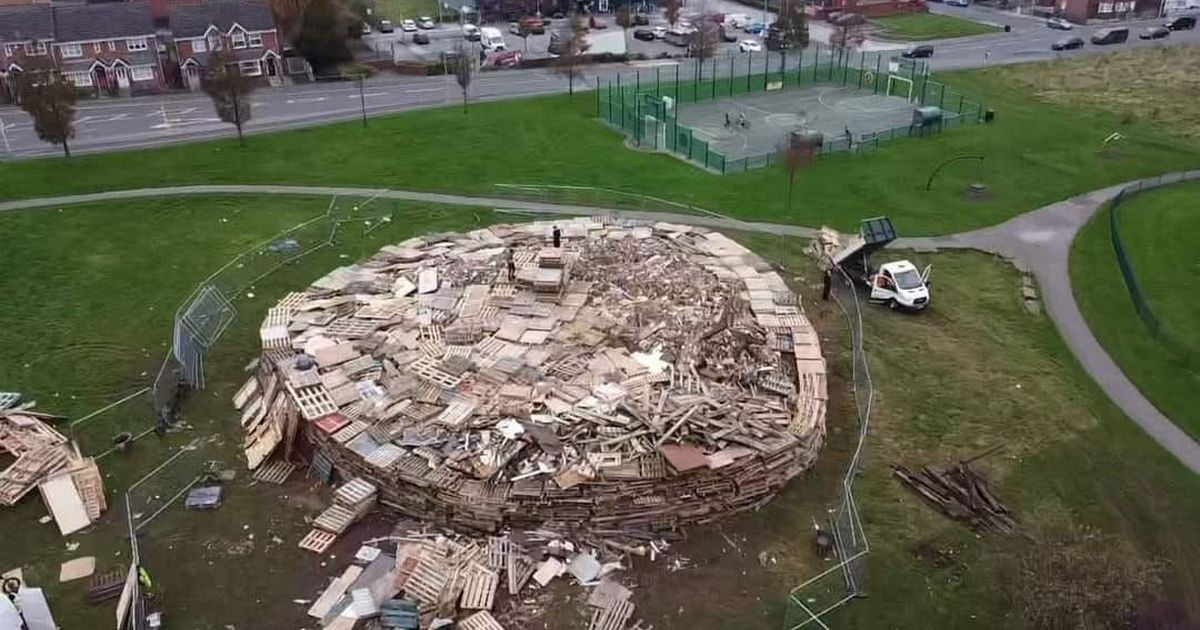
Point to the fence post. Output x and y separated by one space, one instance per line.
622 90
598 112
816 61
731 74
749 68
960 104
638 82
862 63
657 83
766 69
714 79
924 84
800 68
878 59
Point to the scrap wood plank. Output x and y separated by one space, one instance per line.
614 616
248 389
313 401
482 620
334 592
317 541
354 492
427 580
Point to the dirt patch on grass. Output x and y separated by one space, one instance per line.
1155 85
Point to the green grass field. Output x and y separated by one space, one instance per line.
923 26
1159 231
1035 154
398 9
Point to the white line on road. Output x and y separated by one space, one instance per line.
318 99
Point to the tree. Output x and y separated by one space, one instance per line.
46 95
324 31
624 17
703 43
792 25
289 14
848 31
671 9
572 55
464 70
524 32
229 90
795 153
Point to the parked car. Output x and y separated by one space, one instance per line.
385 26
641 19
750 45
728 34
737 20
1107 36
534 24
425 22
470 32
506 59
596 23
659 32
1155 32
1067 43
918 52
1058 23
421 38
366 28
644 34
755 28
491 38
408 25
514 28
957 3
676 37
1182 23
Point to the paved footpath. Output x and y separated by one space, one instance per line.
1038 242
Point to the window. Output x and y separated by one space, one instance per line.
80 79
136 44
112 46
142 73
72 50
239 39
35 48
250 68
11 49
199 46
256 40
1105 7
214 42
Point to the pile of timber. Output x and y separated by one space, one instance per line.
665 375
960 493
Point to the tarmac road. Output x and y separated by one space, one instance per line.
113 124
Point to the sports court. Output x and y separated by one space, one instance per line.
772 116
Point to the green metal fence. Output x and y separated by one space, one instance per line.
635 104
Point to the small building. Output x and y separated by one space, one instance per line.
1080 11
25 32
820 9
111 48
246 28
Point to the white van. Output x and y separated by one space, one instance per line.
491 39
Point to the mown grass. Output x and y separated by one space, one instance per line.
94 291
1159 229
1035 154
923 26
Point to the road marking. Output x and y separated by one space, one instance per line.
194 121
367 95
419 90
317 99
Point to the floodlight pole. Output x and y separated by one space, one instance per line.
4 135
362 99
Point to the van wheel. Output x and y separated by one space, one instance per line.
893 305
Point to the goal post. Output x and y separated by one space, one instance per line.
900 86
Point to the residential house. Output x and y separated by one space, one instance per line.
246 28
110 48
1080 11
25 32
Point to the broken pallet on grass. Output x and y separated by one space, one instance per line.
960 493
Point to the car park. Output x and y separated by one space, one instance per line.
1155 32
385 26
1058 23
1067 43
644 34
918 52
1182 23
425 22
421 38
408 26
750 45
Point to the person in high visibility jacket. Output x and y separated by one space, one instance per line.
144 580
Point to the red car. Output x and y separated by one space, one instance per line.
506 59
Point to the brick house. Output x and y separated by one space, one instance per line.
110 48
1080 11
25 32
245 27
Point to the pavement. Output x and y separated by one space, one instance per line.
1038 241
130 123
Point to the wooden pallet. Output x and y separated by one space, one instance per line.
318 541
351 328
90 484
428 369
456 413
427 580
350 431
313 402
479 589
336 518
105 586
384 456
275 472
614 616
354 492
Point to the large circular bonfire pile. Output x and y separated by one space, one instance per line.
634 379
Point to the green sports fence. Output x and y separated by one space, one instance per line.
633 102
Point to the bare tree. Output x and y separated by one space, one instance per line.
571 57
671 9
624 18
47 96
464 71
703 43
523 31
792 25
288 15
229 89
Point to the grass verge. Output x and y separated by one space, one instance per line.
1035 153
1158 229
923 26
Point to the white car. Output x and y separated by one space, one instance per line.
470 32
659 32
425 22
750 45
738 21
408 26
957 3
1059 24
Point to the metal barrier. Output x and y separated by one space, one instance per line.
599 198
838 584
1174 343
